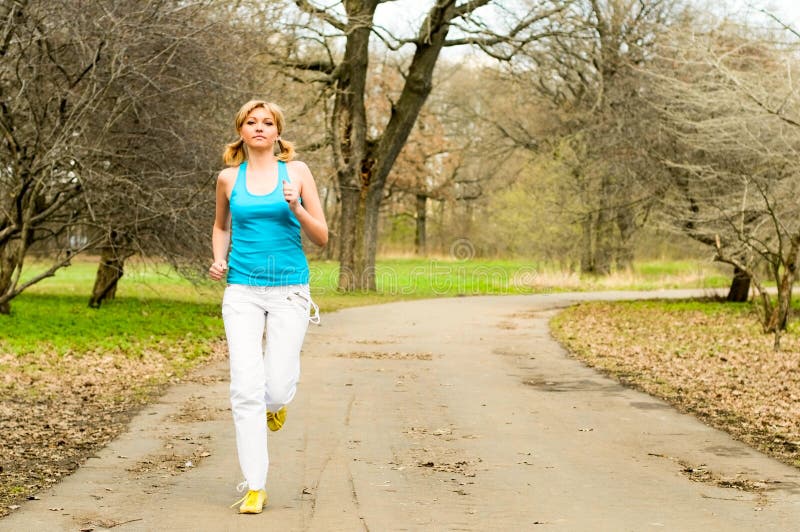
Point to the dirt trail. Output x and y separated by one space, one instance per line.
451 414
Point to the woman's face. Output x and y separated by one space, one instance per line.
259 129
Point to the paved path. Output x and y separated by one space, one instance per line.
451 414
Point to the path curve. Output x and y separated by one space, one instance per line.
446 414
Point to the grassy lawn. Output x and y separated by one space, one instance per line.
705 357
71 376
154 305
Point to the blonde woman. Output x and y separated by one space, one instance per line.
264 198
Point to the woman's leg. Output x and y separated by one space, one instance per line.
244 318
287 322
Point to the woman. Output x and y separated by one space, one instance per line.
263 200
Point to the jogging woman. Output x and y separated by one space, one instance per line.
264 198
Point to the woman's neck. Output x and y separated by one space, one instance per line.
261 159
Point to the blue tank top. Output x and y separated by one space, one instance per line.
266 249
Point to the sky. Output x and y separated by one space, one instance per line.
403 16
786 10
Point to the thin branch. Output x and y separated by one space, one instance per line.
320 13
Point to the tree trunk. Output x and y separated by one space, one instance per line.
626 227
740 286
12 256
419 236
349 132
780 312
8 264
604 231
111 268
784 307
109 272
331 249
353 274
775 318
370 228
364 164
587 259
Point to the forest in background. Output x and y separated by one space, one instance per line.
584 133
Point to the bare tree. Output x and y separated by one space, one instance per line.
428 168
365 148
111 116
730 120
583 78
60 67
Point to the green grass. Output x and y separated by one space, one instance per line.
427 278
654 269
64 323
155 306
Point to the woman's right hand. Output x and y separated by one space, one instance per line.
217 270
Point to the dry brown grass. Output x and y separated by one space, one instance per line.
56 411
707 358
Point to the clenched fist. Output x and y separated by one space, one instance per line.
290 194
217 270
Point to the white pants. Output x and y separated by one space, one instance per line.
262 377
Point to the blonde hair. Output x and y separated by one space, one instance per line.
236 152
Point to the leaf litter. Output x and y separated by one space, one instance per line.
58 410
706 358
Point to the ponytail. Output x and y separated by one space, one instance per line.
286 152
234 153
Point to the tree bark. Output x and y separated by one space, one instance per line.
363 165
111 268
109 272
349 130
627 227
604 231
587 259
351 243
784 306
331 249
8 264
419 237
739 290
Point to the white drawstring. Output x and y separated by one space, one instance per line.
241 486
312 307
314 316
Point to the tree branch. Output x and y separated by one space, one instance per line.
322 14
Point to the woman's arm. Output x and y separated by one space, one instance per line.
221 233
309 213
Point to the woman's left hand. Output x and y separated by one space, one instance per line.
291 194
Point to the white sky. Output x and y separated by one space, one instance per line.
402 17
406 14
787 8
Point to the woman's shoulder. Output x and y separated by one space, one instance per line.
228 174
298 168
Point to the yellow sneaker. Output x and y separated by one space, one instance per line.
252 503
275 420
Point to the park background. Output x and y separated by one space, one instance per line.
460 150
